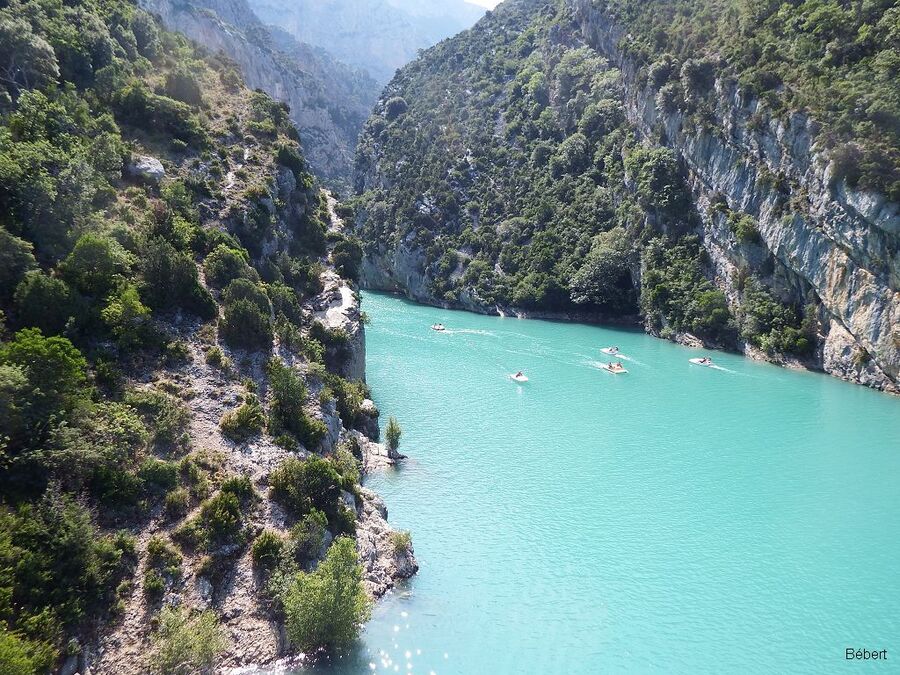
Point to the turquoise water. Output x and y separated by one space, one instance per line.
676 519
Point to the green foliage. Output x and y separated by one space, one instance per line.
307 537
772 326
16 258
325 608
45 382
89 254
244 325
162 412
287 397
659 184
169 280
245 422
184 644
96 265
46 303
676 294
392 433
401 540
267 549
55 568
744 227
177 503
347 256
836 60
226 264
604 279
304 485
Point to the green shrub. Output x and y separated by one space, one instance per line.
401 541
220 517
96 265
307 536
286 413
162 556
744 227
170 280
226 264
165 415
267 549
185 644
304 485
154 585
392 433
325 608
244 325
46 303
244 422
177 503
240 486
158 473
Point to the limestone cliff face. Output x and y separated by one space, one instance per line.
821 240
329 101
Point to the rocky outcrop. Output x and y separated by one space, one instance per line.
822 241
329 101
145 168
337 307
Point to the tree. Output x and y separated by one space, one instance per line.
56 372
244 325
16 258
325 608
305 485
604 279
26 60
393 433
46 303
170 280
96 265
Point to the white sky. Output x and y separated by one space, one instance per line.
490 4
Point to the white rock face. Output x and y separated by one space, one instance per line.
146 168
834 244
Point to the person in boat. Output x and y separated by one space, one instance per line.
619 365
519 374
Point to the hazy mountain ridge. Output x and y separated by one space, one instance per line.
376 35
328 99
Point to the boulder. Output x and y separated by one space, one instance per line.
146 168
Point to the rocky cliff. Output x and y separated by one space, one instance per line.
573 159
329 100
818 236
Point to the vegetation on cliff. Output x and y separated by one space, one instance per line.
150 205
505 157
836 59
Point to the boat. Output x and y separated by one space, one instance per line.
615 368
439 327
705 362
612 351
518 377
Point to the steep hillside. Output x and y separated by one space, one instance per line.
329 101
557 159
378 36
183 421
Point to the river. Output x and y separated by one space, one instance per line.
673 519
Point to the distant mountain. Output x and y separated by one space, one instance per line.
377 35
329 100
